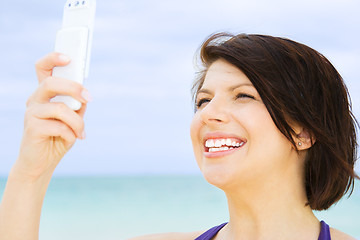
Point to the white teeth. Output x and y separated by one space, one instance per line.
209 143
222 144
219 149
214 149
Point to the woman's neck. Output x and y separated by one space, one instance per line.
275 209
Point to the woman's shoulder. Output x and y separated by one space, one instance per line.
338 235
172 236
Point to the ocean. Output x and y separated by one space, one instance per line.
121 207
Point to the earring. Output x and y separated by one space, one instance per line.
299 143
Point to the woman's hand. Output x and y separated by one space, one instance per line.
50 129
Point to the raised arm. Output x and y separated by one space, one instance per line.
50 130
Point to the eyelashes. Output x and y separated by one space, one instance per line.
244 95
201 101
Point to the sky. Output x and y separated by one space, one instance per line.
142 68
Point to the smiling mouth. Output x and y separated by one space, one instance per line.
222 144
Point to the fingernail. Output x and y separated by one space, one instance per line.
86 95
64 58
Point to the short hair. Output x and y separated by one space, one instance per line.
297 84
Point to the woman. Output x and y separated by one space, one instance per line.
272 128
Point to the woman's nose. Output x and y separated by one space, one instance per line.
215 112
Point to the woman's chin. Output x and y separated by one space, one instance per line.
218 178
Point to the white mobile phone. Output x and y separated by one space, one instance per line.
74 39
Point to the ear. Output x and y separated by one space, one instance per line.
303 139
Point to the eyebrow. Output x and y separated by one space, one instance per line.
230 89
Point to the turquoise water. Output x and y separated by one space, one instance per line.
122 207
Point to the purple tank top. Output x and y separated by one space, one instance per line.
209 234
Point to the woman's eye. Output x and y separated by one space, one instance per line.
202 101
244 95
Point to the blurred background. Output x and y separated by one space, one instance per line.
135 173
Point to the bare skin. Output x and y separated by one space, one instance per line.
51 129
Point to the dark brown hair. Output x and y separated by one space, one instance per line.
297 84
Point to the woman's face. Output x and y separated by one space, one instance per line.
234 138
